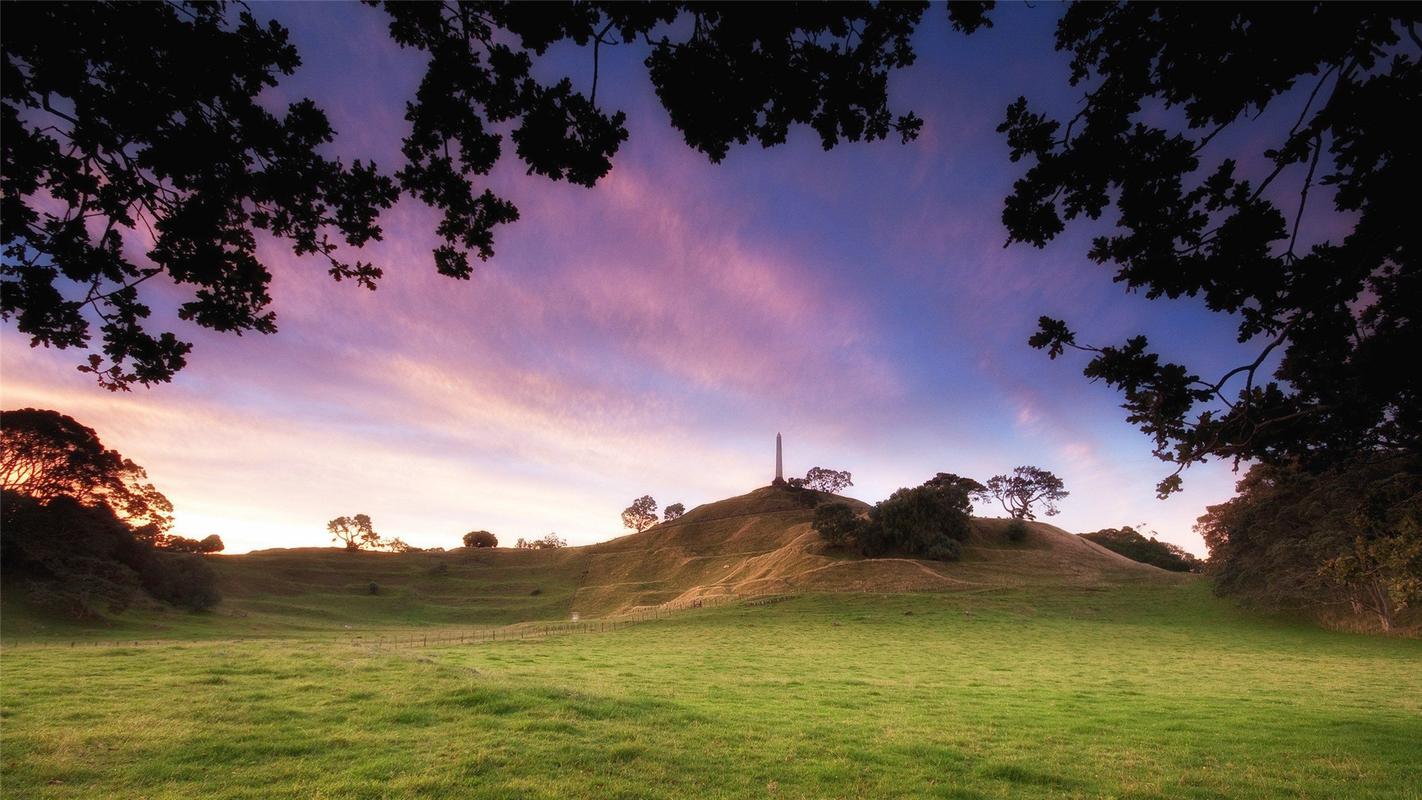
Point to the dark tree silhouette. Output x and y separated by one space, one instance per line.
136 127
480 539
641 515
948 480
45 454
550 541
1347 539
1023 488
930 521
356 532
837 524
524 544
673 511
827 480
1330 304
182 544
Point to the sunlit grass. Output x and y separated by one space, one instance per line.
1140 692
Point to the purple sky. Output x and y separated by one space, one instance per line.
651 335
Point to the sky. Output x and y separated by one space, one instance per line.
651 335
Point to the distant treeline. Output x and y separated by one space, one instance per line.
1133 545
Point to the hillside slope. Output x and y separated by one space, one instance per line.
758 543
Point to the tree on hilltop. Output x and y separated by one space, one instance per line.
480 539
356 532
551 541
641 515
673 511
948 480
821 479
1024 487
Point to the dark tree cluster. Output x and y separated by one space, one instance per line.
83 530
1346 540
1330 89
1134 545
480 539
929 521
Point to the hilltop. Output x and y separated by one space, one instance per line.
754 544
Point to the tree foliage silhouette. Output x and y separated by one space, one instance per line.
641 515
480 539
1348 538
135 148
827 480
1333 318
673 511
1023 488
355 532
45 455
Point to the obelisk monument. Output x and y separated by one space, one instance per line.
779 465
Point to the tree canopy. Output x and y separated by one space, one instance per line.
135 148
356 532
822 479
135 145
45 454
1327 295
928 521
673 511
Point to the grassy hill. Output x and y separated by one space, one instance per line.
757 543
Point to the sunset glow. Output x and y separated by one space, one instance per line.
651 335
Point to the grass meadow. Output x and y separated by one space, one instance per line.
1135 692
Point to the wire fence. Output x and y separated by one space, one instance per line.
522 631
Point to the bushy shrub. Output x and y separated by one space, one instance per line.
373 588
944 550
181 579
77 558
1016 531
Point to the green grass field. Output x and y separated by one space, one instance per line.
1137 692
